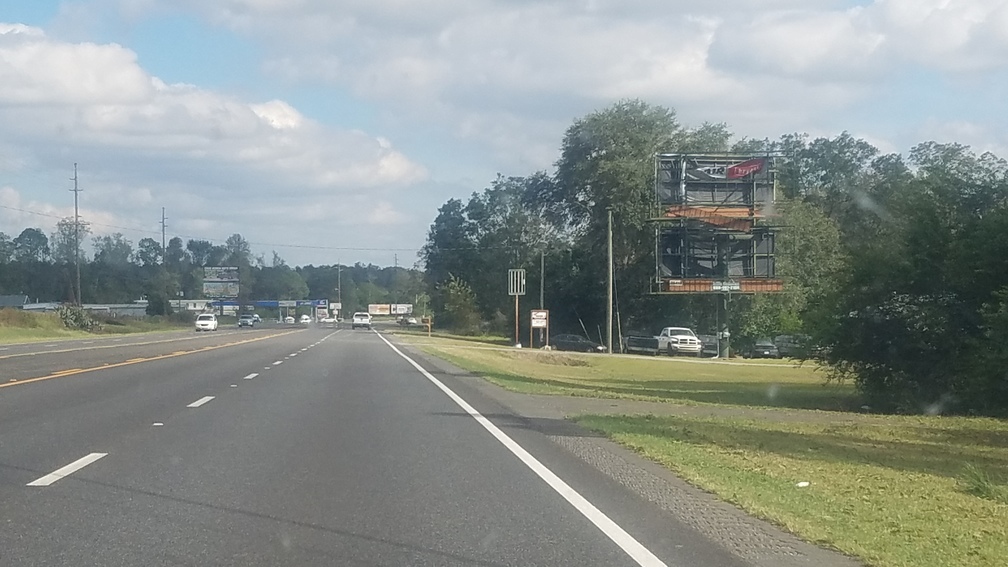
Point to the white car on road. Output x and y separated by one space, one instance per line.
361 319
206 322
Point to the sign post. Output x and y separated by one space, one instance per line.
539 320
516 287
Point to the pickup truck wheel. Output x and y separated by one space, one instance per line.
671 351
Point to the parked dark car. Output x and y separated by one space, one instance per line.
764 348
793 346
575 343
709 345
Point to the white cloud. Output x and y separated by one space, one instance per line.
501 78
87 94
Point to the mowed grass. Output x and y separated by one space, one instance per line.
679 380
893 491
898 491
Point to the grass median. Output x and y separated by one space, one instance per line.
891 490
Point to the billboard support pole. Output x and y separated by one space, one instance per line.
517 338
724 335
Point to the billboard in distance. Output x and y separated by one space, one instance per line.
720 180
379 309
220 274
220 290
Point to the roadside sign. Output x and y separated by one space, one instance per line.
516 282
540 318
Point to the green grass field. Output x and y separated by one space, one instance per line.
895 491
17 326
680 380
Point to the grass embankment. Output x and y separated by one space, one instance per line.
680 380
891 490
17 326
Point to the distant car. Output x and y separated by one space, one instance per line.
206 322
764 348
256 318
407 321
361 319
305 319
709 345
246 320
327 320
575 343
289 320
793 346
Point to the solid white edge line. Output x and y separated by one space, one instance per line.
67 470
611 529
200 402
251 376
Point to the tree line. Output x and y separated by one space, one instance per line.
896 267
44 268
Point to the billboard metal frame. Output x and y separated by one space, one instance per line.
710 234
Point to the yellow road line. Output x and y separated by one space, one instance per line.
117 345
107 365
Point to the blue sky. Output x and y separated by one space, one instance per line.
332 131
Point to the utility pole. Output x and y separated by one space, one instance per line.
609 304
163 227
76 191
542 277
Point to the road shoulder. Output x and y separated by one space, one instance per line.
755 541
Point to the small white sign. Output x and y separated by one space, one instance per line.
540 318
516 282
726 286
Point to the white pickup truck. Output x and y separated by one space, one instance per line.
671 341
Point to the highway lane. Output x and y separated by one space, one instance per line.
318 447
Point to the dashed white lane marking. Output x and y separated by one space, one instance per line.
293 354
200 402
67 470
157 424
49 346
277 362
611 529
251 376
234 385
304 349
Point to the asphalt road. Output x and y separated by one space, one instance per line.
280 446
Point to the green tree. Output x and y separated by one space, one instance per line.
113 249
460 313
6 248
149 252
66 242
31 246
175 255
